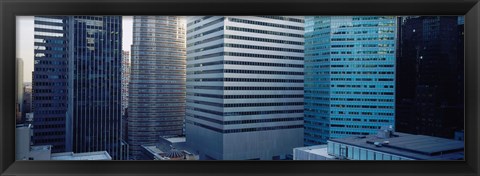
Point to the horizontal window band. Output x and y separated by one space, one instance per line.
265 56
244 72
244 88
245 96
242 130
235 122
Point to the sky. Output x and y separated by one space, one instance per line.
24 38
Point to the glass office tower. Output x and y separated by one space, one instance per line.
49 82
430 72
95 83
244 86
157 81
77 83
349 76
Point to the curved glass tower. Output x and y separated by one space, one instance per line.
157 80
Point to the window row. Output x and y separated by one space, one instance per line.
263 48
47 62
50 133
245 80
234 28
244 88
244 72
235 122
228 62
205 33
237 20
46 113
360 106
359 120
50 98
247 104
198 20
243 113
266 56
242 130
284 18
364 72
206 25
361 93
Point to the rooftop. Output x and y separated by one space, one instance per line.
176 139
320 150
41 148
419 147
152 149
100 155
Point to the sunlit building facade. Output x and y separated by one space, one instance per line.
157 81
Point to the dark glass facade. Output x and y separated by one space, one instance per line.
49 82
77 83
429 92
95 75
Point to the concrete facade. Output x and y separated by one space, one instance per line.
244 86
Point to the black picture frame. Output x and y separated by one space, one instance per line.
9 9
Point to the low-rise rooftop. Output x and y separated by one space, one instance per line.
315 150
418 147
176 139
100 155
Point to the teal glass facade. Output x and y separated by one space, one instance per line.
349 76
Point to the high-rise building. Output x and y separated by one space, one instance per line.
27 98
349 76
19 90
125 79
77 83
95 83
49 81
430 81
244 86
157 81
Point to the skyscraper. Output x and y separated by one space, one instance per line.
27 98
95 83
349 76
125 79
19 90
244 86
49 82
430 70
125 94
77 83
157 81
